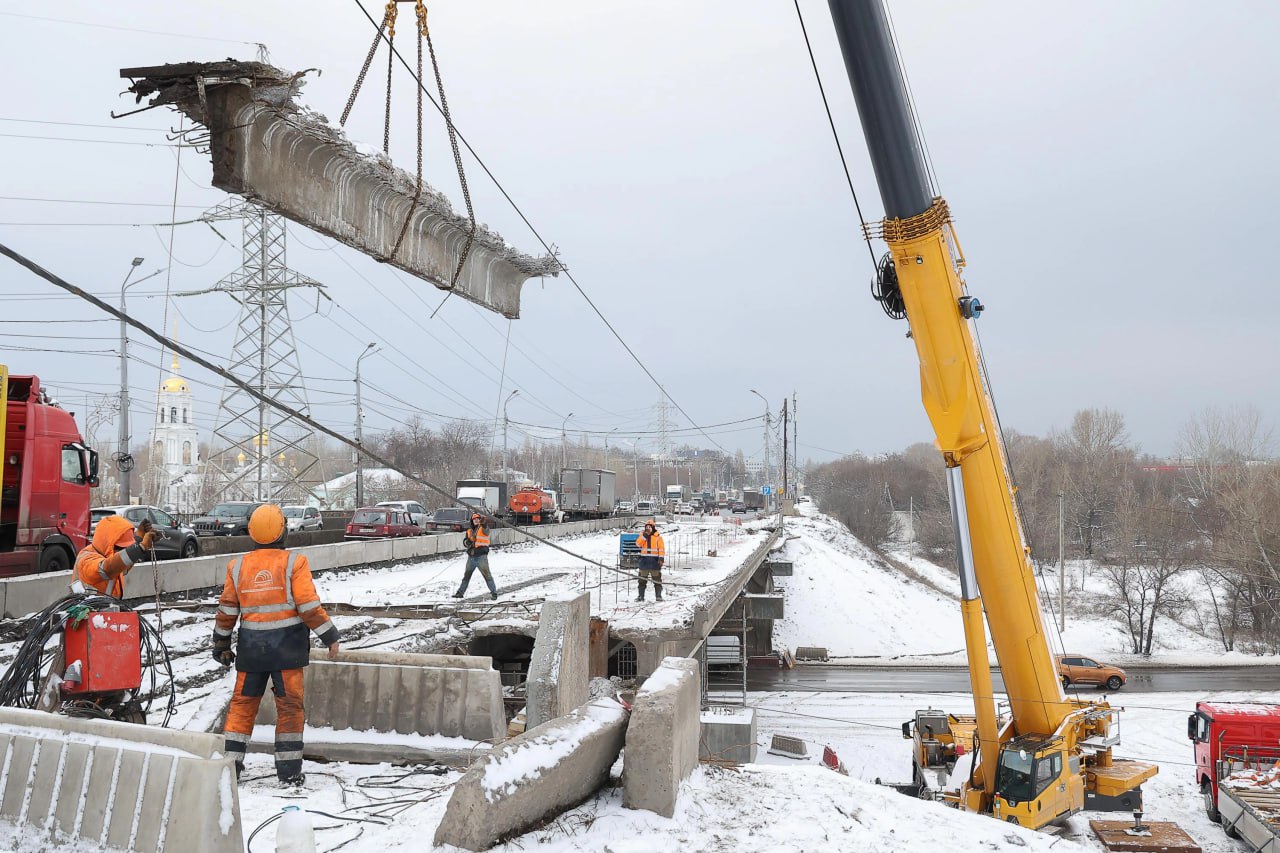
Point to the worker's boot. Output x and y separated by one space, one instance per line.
657 588
640 597
458 594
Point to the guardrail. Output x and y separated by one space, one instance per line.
25 595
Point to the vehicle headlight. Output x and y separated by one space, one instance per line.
229 524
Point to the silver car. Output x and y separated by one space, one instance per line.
302 518
417 512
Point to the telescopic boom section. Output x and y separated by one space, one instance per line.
926 256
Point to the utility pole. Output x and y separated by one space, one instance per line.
795 448
360 431
122 448
1062 562
564 444
506 469
786 492
764 480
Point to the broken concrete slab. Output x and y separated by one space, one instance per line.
447 695
663 736
69 782
561 664
273 151
534 776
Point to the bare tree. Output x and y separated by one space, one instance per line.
1097 450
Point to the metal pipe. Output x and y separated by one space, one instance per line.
975 634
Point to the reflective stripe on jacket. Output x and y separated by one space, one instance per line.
271 593
652 550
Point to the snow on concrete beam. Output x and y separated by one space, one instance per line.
662 737
534 776
271 150
69 783
560 666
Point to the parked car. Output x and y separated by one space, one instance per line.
804 499
449 519
626 507
644 508
380 522
683 508
1077 669
226 519
738 506
417 512
303 518
173 540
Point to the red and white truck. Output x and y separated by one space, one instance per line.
47 474
1237 751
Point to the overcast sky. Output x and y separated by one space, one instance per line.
1111 168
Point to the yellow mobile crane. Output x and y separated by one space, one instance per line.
1052 753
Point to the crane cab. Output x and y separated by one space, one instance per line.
1037 782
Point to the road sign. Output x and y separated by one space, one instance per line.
766 490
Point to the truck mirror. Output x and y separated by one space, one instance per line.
1191 726
93 469
906 730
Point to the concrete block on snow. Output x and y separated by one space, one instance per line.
662 737
561 663
728 734
447 695
534 776
72 782
31 594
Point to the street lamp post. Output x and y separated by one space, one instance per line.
564 442
765 477
635 457
369 350
123 435
506 470
606 447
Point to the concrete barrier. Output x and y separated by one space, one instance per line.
728 734
561 662
534 775
663 736
23 596
447 695
94 784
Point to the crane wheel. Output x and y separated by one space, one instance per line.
1066 682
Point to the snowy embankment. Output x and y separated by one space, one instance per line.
867 608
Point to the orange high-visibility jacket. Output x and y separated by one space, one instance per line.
105 561
652 549
271 593
476 539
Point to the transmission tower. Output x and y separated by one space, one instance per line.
268 455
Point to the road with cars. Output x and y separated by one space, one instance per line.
955 679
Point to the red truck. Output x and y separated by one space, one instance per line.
47 475
1241 738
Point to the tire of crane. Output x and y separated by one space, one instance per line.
1066 682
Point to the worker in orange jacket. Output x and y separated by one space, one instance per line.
111 553
271 593
653 553
476 543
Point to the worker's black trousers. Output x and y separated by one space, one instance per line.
656 576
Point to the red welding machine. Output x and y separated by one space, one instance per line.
108 647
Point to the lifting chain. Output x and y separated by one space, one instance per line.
424 33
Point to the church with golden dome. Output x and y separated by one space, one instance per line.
175 445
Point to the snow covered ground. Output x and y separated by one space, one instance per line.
843 596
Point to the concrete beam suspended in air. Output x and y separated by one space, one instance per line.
268 148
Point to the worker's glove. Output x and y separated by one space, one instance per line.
148 541
222 652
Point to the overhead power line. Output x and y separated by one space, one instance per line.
192 356
545 245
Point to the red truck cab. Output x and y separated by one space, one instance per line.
47 475
1219 729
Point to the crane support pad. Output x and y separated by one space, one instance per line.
1123 775
1165 837
270 149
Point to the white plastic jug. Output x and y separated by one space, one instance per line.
294 832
